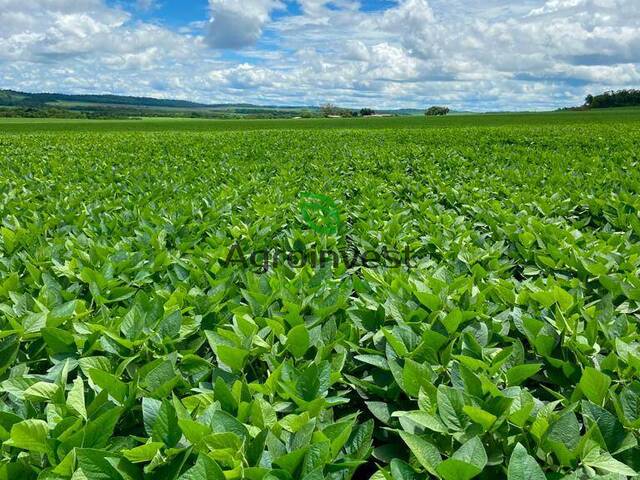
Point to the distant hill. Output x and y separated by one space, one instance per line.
13 98
23 104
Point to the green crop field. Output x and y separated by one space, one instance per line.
605 116
387 298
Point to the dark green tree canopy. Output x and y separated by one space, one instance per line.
437 111
620 98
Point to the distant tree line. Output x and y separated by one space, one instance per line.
620 98
33 112
331 110
120 113
437 111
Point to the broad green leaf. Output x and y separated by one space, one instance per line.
523 466
359 443
112 384
338 434
402 471
59 341
452 320
298 340
565 431
75 398
480 416
232 357
30 435
41 391
205 468
423 419
222 422
9 348
518 374
451 405
165 425
97 432
95 466
630 402
603 461
426 453
564 299
143 453
150 410
454 469
291 461
473 453
609 426
429 300
594 385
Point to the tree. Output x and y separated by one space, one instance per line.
437 111
620 98
366 112
329 109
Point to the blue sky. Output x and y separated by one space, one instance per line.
172 13
468 54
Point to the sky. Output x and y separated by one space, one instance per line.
478 55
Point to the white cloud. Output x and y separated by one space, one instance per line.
478 54
57 30
147 5
238 24
321 8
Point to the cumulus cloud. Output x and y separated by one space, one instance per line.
238 24
469 54
59 30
